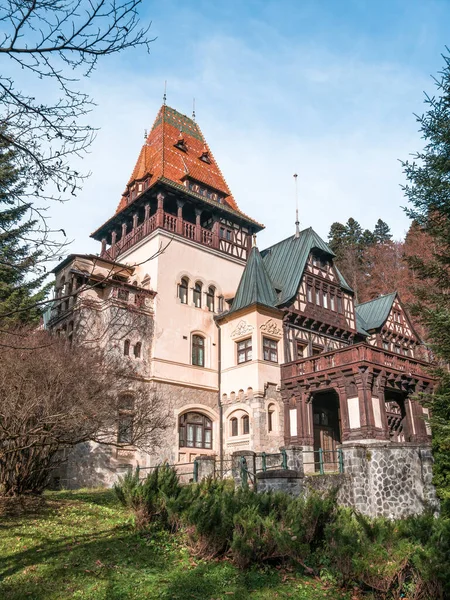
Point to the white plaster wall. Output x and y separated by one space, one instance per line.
257 372
175 323
353 412
377 412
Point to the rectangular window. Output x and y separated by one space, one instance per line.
309 294
325 299
339 304
244 351
270 350
125 429
385 345
317 297
316 350
198 350
332 302
301 350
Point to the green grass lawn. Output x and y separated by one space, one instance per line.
83 545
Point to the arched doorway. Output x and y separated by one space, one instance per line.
326 430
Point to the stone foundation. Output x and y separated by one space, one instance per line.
388 480
379 480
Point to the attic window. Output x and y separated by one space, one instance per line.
205 157
181 144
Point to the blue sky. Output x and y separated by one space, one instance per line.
326 89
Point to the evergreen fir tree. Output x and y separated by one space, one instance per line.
428 192
382 232
20 288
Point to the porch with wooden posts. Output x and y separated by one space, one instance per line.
364 392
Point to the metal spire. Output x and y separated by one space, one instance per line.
165 92
193 109
297 222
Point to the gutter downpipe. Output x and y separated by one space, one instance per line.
219 400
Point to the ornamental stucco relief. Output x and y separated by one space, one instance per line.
271 327
242 328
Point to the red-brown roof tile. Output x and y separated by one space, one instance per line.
160 157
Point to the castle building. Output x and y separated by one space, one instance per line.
249 349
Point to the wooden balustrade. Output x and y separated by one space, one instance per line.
170 223
356 353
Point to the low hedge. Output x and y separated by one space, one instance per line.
409 558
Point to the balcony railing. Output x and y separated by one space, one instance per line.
179 226
357 353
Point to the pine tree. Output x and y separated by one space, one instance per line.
20 288
428 193
382 232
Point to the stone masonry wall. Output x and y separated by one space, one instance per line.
92 465
379 480
389 480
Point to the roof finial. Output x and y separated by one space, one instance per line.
254 241
193 109
297 222
165 92
145 134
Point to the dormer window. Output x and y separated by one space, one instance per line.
205 157
181 144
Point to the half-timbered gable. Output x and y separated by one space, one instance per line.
389 327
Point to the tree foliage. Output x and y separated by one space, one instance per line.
55 396
56 42
20 288
351 245
428 194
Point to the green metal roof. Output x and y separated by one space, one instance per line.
361 325
285 262
255 286
374 313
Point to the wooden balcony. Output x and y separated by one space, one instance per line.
354 355
237 247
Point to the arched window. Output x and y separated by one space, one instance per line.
126 348
198 350
125 419
233 426
195 431
271 418
198 295
183 290
220 303
245 421
210 295
137 350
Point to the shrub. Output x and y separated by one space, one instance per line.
150 498
254 538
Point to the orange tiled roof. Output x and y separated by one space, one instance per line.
160 157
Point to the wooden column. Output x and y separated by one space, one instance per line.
198 227
343 409
215 232
418 429
364 385
160 210
146 218
124 230
135 220
180 204
304 410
